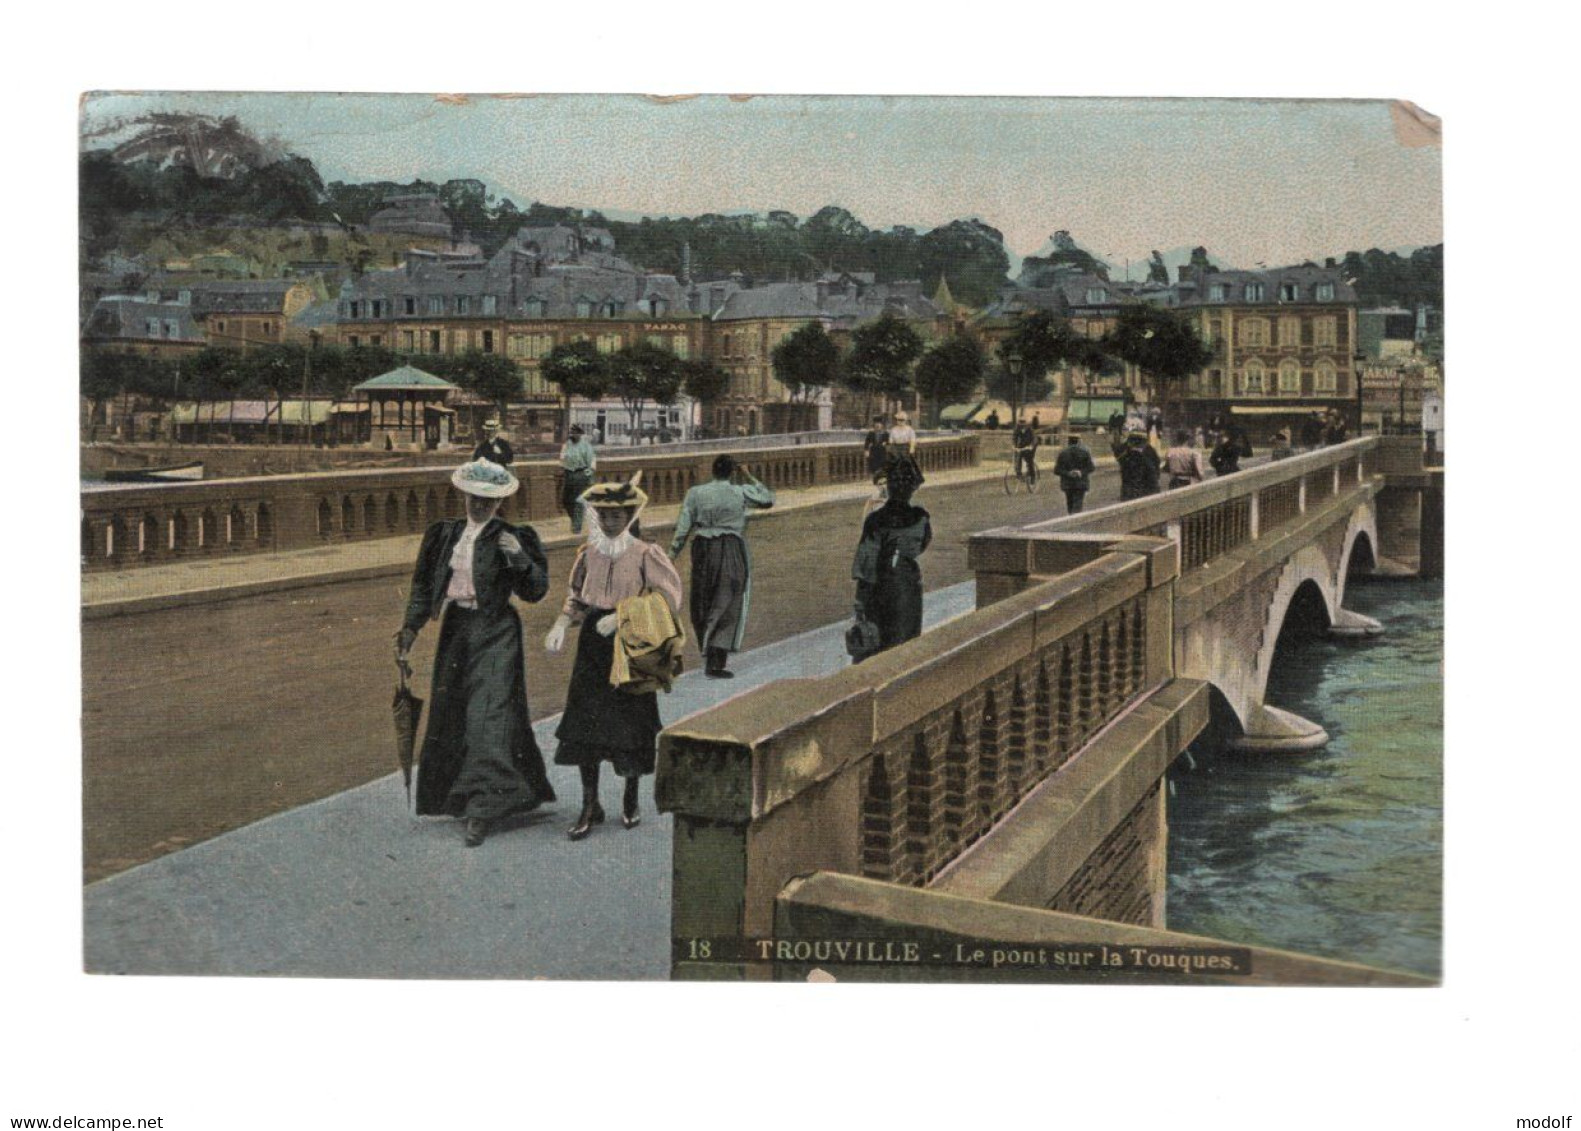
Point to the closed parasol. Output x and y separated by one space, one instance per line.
408 711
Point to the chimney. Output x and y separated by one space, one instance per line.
1330 263
1185 273
686 263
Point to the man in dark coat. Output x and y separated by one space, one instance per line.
1139 465
480 761
1227 453
874 446
1074 467
1312 431
494 447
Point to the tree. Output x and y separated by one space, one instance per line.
580 371
806 362
488 375
703 380
644 372
880 360
1043 343
951 371
1157 271
1160 343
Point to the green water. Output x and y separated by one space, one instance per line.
1338 853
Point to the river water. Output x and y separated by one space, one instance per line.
1337 853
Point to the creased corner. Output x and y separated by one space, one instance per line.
1414 127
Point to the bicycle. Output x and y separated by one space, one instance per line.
1017 478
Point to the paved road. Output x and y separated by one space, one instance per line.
200 720
354 886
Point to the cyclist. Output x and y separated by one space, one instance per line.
1025 442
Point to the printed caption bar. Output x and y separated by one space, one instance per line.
1041 959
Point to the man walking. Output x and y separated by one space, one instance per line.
874 446
494 447
1074 467
715 516
1139 464
1184 462
577 461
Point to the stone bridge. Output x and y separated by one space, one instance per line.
999 781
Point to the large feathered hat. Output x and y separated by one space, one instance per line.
616 494
485 478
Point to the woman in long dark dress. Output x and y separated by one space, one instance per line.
603 723
888 578
480 761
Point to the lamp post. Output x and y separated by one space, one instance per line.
1356 377
1014 365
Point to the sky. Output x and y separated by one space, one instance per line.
1252 180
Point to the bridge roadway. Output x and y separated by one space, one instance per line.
203 717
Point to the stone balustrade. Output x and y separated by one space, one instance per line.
894 768
1206 521
146 524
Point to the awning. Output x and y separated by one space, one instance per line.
1095 410
224 412
292 412
987 409
1274 410
958 413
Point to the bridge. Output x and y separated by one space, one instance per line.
998 777
997 783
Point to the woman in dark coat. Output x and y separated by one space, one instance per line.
479 761
888 579
603 723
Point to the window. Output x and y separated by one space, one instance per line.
681 346
1215 331
1289 292
610 308
408 341
1289 332
657 307
532 346
1096 295
410 304
535 307
1324 331
1252 378
657 340
355 341
222 325
1327 377
463 304
377 340
378 309
1254 332
1324 292
584 308
491 304
433 341
356 310
1218 292
436 305
608 343
1290 377
170 329
488 341
1254 292
153 327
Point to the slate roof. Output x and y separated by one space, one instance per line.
848 307
121 316
241 296
1197 292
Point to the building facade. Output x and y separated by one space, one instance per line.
142 324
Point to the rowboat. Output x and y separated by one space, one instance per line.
176 473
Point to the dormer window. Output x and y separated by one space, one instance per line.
535 307
1096 295
1324 292
356 310
584 308
411 304
378 308
1254 292
1218 292
1289 292
610 308
436 304
463 304
490 305
657 307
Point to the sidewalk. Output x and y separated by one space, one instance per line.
355 886
187 583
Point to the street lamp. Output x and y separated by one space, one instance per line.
1014 367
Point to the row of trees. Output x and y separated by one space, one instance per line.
635 375
888 361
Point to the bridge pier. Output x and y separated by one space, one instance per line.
1270 730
